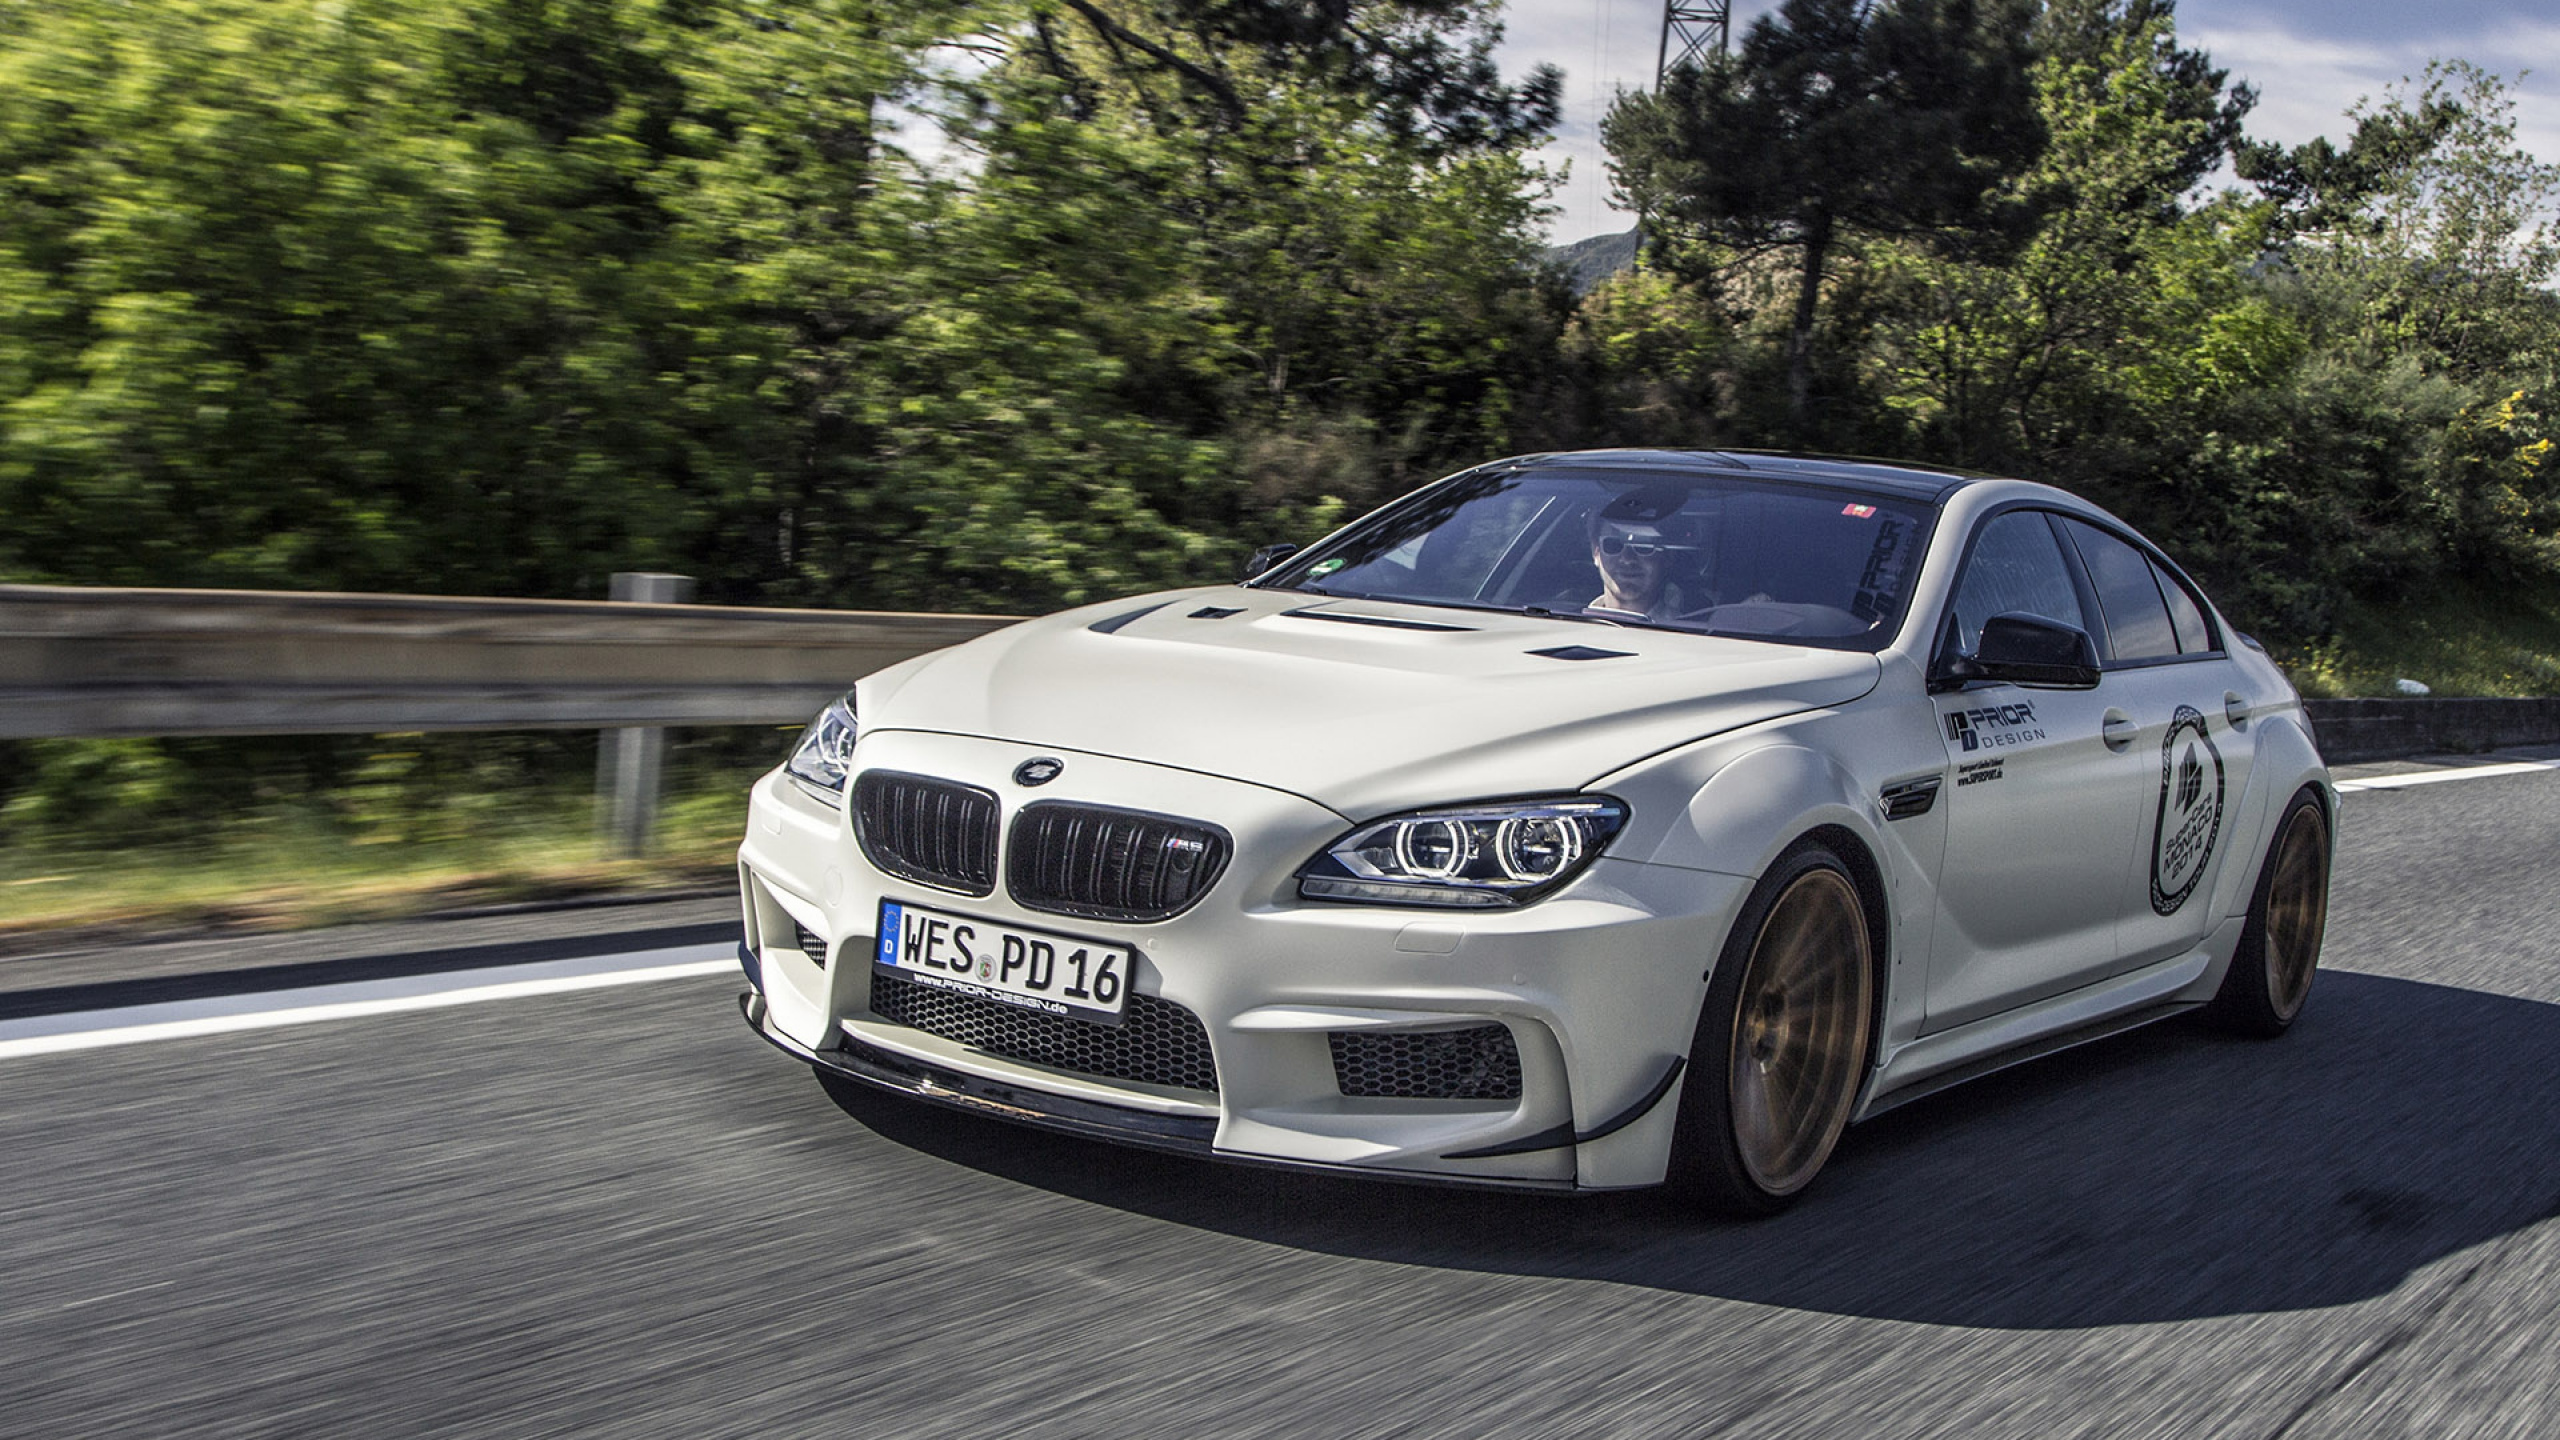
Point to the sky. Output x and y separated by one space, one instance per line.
2311 60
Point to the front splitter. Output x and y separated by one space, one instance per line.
1091 1120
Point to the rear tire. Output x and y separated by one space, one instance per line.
2270 975
1782 1043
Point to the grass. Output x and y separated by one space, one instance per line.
288 872
2466 639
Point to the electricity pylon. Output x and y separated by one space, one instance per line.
1690 29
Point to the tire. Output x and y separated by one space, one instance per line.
1783 1041
2270 975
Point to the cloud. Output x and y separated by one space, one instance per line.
2310 59
1602 46
2307 81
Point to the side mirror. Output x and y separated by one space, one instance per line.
1266 557
2022 649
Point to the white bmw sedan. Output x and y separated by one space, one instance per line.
1579 821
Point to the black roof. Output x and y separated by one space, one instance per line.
1902 479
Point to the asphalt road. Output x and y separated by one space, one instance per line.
617 1213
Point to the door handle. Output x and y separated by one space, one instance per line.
2235 707
2118 730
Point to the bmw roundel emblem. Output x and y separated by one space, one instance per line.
1038 772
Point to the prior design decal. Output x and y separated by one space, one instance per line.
2190 810
1885 564
1980 772
1994 727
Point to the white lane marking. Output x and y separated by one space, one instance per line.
224 1014
2433 777
118 1294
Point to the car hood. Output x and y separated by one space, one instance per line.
1362 706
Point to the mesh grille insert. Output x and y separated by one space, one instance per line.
1156 1042
932 831
1478 1063
811 945
1107 864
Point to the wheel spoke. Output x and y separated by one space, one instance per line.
1800 1022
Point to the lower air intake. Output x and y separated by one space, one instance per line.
1478 1063
811 945
1156 1042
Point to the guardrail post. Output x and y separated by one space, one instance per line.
631 761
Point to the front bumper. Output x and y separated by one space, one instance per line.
1082 1118
1598 986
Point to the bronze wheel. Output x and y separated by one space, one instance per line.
2297 909
2270 975
1783 1044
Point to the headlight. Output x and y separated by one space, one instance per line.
825 752
1498 854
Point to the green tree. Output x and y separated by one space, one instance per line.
1361 218
1833 120
2123 308
357 295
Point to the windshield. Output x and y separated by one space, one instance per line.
1715 554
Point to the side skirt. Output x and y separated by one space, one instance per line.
2110 1007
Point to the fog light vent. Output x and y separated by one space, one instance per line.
1481 1062
811 945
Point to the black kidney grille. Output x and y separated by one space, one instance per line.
1111 864
927 830
1156 1042
1480 1063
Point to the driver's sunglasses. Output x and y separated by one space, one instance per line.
1614 545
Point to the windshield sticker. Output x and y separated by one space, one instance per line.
1322 568
1862 512
1994 727
1881 580
1980 772
2190 810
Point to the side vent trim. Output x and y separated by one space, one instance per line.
1910 797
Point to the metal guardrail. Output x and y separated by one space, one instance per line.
82 661
104 662
2388 729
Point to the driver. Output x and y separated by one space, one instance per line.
1635 546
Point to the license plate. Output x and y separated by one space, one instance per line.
1033 969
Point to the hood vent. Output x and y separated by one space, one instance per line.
1581 652
1383 622
1215 612
1111 623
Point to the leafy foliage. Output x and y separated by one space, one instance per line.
1006 304
504 295
1776 146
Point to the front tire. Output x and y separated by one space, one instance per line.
2270 974
1782 1043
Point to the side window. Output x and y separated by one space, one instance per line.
2138 625
2016 565
2194 636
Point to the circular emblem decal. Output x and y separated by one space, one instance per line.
1038 772
2190 810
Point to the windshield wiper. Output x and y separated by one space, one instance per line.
1543 613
